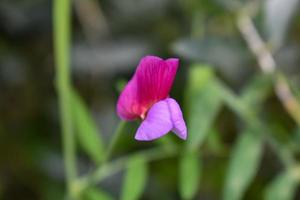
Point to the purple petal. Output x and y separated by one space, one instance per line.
151 83
157 123
179 127
162 117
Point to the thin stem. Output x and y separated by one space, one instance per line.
268 65
117 165
252 120
61 25
114 141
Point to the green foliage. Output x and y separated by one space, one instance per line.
190 171
203 101
230 107
62 37
243 164
282 187
88 134
93 193
135 178
256 92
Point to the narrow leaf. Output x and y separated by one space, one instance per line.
190 170
243 164
214 141
96 194
283 187
259 88
87 132
203 101
135 179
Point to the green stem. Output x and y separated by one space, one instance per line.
117 165
114 141
252 119
61 27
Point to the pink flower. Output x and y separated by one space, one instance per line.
146 96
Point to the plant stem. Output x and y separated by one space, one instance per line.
61 27
108 169
114 141
252 120
268 65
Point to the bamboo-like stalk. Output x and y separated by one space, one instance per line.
61 32
268 65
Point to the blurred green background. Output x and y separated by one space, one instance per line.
243 119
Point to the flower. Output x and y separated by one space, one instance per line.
146 97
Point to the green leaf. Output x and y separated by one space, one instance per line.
236 104
214 141
257 90
203 101
135 179
283 187
251 99
87 132
96 194
243 164
190 171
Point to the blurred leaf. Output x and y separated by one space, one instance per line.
278 15
96 194
257 90
120 85
190 170
217 51
214 141
135 179
50 190
227 55
86 129
243 164
283 187
253 94
203 101
295 140
232 5
236 104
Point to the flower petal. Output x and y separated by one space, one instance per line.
151 83
179 127
127 106
155 78
157 123
162 117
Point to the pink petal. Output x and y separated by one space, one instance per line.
151 83
127 108
162 117
155 78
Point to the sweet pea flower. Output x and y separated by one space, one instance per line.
146 97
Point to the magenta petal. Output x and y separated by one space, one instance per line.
162 117
151 83
155 78
173 62
127 104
